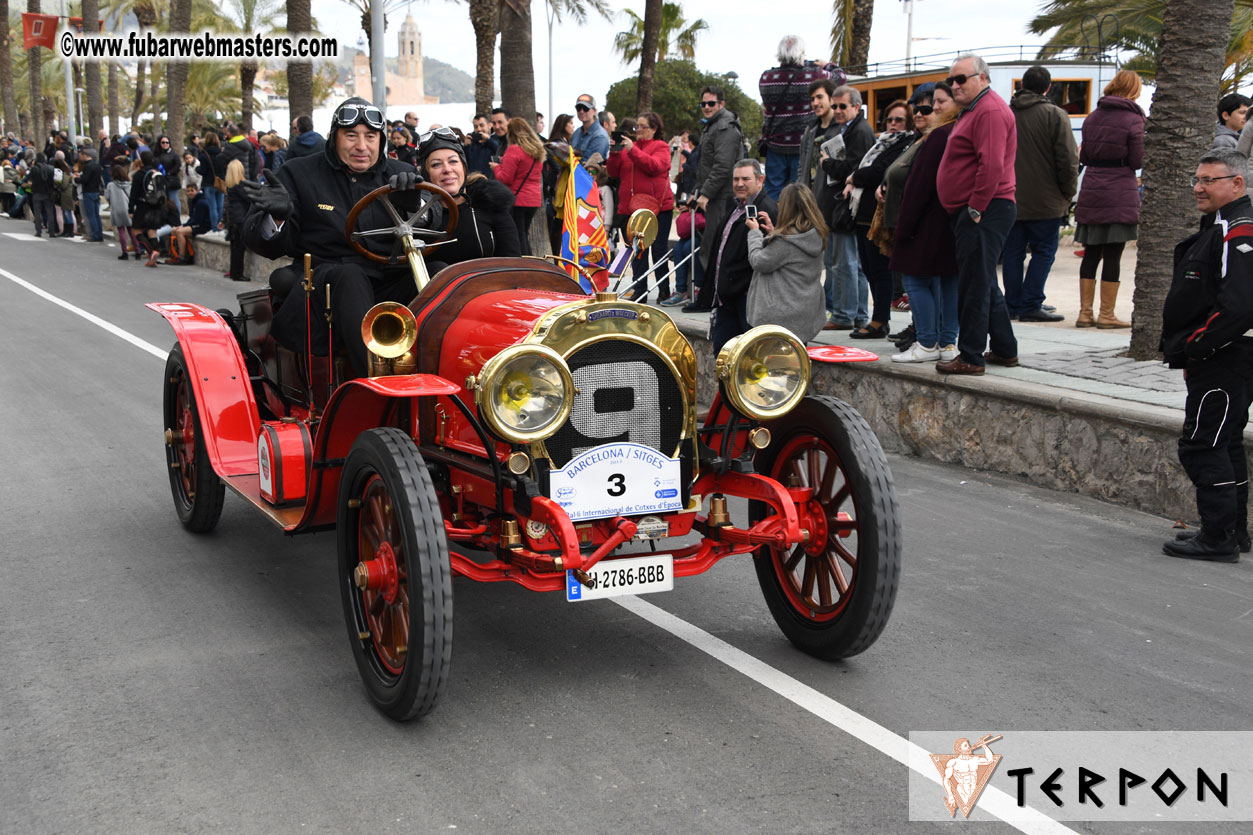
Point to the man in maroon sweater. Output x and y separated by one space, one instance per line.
975 184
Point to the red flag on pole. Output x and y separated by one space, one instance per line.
39 30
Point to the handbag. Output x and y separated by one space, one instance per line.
879 234
642 201
842 218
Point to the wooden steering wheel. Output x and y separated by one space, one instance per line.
404 228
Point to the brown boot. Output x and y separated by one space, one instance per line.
1087 292
1106 318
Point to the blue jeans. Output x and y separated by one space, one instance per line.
215 204
982 315
780 170
681 250
848 292
1024 295
933 302
91 214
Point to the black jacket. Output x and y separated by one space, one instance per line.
1209 308
198 218
146 215
736 273
90 181
485 227
242 150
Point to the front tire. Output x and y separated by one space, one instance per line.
832 596
197 490
391 538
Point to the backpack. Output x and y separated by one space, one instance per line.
154 188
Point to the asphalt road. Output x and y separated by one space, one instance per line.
156 681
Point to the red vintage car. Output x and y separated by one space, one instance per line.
509 413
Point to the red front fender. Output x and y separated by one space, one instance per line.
228 411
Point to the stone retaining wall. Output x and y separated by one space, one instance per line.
1074 442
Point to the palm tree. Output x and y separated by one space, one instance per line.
485 18
91 73
1139 30
6 72
676 38
176 80
517 84
299 73
248 16
648 54
1189 66
212 91
37 123
850 32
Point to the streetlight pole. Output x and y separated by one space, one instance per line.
378 66
78 91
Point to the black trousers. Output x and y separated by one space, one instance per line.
982 316
353 292
1211 446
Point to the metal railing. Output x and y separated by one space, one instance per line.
1022 53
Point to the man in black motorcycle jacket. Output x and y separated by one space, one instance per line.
1206 323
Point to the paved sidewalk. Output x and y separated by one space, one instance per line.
1056 356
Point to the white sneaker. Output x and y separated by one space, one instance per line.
917 353
948 353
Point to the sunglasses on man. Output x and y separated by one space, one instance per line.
841 106
581 108
352 114
958 80
709 103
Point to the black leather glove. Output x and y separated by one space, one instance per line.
405 180
270 198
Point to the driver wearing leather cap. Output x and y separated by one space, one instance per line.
304 208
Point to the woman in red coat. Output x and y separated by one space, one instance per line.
643 168
521 169
1107 214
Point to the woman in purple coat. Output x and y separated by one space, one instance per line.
1108 211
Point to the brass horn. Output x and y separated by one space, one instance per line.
390 332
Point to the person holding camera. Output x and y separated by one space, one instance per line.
732 273
478 147
642 166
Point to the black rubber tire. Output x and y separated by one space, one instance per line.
197 490
833 434
385 469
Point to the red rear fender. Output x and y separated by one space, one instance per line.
228 411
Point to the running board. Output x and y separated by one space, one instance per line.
248 487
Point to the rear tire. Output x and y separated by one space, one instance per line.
197 490
832 596
400 628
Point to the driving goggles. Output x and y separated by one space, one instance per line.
352 114
445 133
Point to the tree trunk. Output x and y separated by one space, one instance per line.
146 17
537 234
34 70
176 79
648 55
485 18
1190 60
114 106
138 104
247 80
154 95
11 120
91 72
859 48
299 73
517 70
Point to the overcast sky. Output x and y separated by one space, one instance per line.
742 37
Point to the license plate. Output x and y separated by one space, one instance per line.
616 578
620 479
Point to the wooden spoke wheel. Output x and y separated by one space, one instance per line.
395 574
197 490
832 595
419 223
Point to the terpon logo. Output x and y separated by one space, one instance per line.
966 771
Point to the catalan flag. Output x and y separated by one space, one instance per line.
583 237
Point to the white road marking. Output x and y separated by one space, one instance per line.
159 353
23 236
993 800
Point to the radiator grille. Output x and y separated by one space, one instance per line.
626 393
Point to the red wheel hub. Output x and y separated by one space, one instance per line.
380 574
813 518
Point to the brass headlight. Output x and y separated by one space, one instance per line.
525 393
764 373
